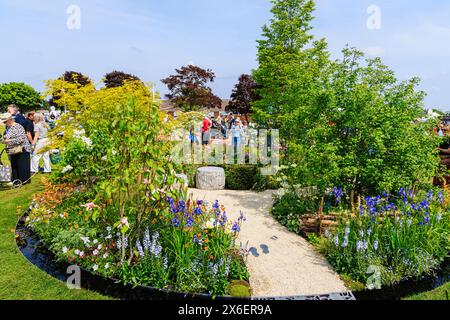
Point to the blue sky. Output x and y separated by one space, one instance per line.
150 38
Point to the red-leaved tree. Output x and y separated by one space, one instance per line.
189 89
243 95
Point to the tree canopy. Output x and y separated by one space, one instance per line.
347 123
243 95
20 94
189 89
118 78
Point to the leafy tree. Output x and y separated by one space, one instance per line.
69 91
118 78
244 93
347 123
189 90
76 79
20 94
287 55
361 132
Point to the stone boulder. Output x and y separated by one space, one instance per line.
210 178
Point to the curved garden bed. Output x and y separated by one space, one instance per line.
32 248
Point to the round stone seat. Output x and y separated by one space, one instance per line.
210 178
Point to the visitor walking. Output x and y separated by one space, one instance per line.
18 148
231 120
237 133
206 131
40 141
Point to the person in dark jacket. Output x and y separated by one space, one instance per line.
24 122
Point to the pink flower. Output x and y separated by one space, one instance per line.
89 206
124 222
146 181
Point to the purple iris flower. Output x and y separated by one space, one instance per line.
176 221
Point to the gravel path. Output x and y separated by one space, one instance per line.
281 263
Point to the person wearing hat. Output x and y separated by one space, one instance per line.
26 123
18 148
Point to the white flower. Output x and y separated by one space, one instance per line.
210 224
107 266
99 247
95 252
95 241
77 252
105 256
79 133
85 240
81 254
87 141
66 169
95 268
104 158
65 250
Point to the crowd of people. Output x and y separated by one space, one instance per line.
225 128
25 140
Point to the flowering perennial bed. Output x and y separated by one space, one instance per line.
391 238
191 248
118 208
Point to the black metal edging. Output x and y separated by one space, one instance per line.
31 247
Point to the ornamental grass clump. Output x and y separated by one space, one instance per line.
403 236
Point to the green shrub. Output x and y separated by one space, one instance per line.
240 177
240 289
262 183
288 208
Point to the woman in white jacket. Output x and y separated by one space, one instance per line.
40 142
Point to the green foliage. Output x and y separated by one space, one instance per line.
289 207
348 122
240 289
262 182
240 177
20 94
190 171
286 55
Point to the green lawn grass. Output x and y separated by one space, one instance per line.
19 279
441 293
